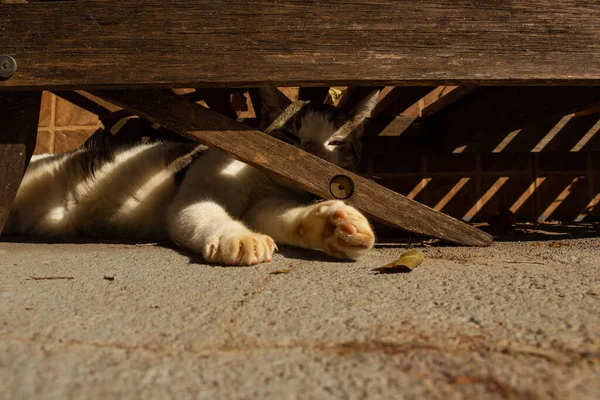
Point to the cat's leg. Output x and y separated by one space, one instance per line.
332 226
206 228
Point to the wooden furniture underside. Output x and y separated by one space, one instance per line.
130 54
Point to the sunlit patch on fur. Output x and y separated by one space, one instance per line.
234 168
142 193
57 214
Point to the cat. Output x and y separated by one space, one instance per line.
199 198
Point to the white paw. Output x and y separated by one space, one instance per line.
241 249
338 229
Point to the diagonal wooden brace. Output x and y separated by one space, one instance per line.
292 164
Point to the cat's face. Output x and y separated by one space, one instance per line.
319 129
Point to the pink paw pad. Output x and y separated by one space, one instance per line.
348 228
340 214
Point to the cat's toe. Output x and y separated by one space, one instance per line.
242 250
211 251
338 229
352 232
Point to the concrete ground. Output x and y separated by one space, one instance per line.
516 320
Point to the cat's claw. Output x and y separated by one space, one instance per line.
338 229
245 249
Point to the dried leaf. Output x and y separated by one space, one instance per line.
467 380
406 263
280 271
410 259
334 94
559 244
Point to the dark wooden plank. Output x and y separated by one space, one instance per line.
290 163
354 95
256 103
19 114
206 43
219 101
12 167
388 126
315 95
386 119
446 100
81 101
399 99
496 111
202 94
382 127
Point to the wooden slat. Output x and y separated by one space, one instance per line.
81 101
399 99
499 110
19 113
219 101
290 163
388 126
256 103
315 95
354 95
446 100
207 43
386 119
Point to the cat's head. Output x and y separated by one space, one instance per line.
320 129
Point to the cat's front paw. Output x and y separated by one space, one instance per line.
338 229
240 249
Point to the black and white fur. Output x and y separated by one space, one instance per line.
199 198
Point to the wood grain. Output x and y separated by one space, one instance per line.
290 163
205 43
19 113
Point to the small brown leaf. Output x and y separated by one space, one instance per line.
406 263
467 380
280 271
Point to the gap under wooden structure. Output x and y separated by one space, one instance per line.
214 46
290 163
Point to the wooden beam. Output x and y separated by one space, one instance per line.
19 114
315 95
399 99
219 101
493 111
83 102
354 95
205 43
291 164
446 100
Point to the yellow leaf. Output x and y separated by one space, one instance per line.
406 263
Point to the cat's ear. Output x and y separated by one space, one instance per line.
273 103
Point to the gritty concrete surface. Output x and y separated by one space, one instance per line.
516 320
